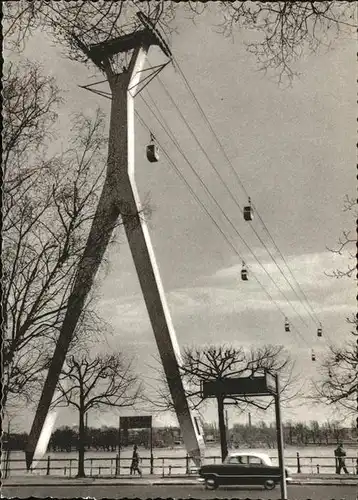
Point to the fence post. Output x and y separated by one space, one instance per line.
162 467
170 470
298 463
7 463
187 464
70 471
48 465
317 466
151 463
91 463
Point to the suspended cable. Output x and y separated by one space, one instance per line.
234 199
168 131
311 311
179 173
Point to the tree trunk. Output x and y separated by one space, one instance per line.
290 435
222 428
81 444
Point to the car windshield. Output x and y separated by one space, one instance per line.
247 460
255 461
236 459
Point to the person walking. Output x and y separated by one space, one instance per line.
135 462
340 455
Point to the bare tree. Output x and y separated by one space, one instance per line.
99 382
346 244
338 386
315 432
284 29
75 26
30 101
339 379
48 203
287 29
201 364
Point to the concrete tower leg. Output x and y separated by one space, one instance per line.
120 197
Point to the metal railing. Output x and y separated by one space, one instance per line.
159 465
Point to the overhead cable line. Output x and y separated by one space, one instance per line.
197 199
164 125
312 311
233 198
235 201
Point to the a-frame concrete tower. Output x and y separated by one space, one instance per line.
119 198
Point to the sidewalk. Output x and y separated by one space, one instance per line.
182 480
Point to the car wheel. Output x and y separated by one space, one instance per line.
211 483
269 484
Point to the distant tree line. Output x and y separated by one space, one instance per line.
261 435
66 439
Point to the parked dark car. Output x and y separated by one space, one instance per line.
242 468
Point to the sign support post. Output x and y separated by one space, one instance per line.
266 385
281 459
151 450
118 471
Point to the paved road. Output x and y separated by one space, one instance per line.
299 492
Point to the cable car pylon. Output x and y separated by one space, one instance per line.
120 198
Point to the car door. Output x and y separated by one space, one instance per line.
236 469
259 471
256 469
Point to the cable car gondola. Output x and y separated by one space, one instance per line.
313 356
248 211
244 276
319 331
152 150
287 325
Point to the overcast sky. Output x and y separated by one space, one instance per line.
294 151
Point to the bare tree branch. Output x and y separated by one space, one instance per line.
346 244
284 29
103 381
202 364
338 386
48 206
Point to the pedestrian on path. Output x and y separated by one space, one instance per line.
340 455
135 462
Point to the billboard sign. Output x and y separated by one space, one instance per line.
241 386
143 422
